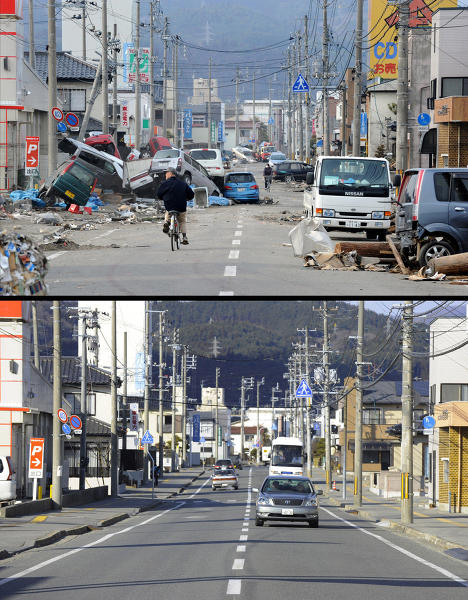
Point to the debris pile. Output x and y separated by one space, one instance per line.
23 266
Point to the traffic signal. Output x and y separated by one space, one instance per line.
334 428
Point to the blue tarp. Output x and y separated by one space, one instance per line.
213 200
31 194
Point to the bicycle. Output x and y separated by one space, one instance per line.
174 232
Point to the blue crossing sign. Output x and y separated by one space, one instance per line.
428 422
147 438
303 391
300 85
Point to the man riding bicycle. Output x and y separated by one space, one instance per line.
268 175
174 192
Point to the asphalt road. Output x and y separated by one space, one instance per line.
205 546
239 250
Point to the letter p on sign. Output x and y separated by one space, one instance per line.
36 457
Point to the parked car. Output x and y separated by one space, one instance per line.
108 168
223 478
73 184
7 479
223 463
241 186
432 213
291 170
186 166
211 159
276 158
291 498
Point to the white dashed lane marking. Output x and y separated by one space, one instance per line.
238 564
241 548
234 587
238 233
226 293
230 271
234 254
236 242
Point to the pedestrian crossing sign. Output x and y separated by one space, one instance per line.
147 438
303 391
300 85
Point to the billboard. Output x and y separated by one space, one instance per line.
129 70
382 36
187 124
11 7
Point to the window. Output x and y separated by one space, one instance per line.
454 392
72 100
372 416
97 161
442 186
370 456
198 121
460 189
81 174
167 154
203 154
167 419
454 86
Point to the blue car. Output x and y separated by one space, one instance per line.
241 187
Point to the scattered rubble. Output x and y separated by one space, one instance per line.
23 266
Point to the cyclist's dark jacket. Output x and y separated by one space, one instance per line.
267 171
175 193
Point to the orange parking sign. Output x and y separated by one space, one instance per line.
32 155
36 457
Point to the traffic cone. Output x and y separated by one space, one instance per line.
334 486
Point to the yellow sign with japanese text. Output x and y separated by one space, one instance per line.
382 37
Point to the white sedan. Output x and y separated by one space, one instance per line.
224 478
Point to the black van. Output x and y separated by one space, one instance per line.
432 214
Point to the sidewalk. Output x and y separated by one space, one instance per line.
446 531
19 534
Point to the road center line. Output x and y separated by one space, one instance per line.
236 242
238 233
226 293
241 548
234 586
230 271
234 254
440 570
56 255
202 486
238 564
243 538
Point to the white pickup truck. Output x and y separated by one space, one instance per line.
350 194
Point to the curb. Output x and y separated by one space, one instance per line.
438 542
56 536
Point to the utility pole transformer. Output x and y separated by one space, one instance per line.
357 83
57 445
402 88
358 417
407 417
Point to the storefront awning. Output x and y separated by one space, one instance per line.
428 142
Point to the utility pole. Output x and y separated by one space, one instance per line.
357 83
326 120
345 443
209 113
91 100
307 125
137 80
114 85
309 402
32 55
358 417
35 336
124 393
237 106
52 87
114 438
83 28
174 377
289 105
175 77
407 417
57 453
242 417
161 393
270 127
301 102
105 70
148 361
84 411
254 128
217 415
274 433
402 88
184 405
165 43
326 399
151 71
259 447
343 118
